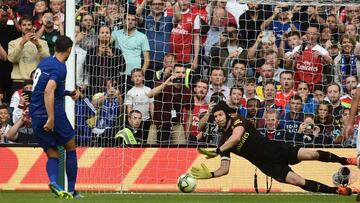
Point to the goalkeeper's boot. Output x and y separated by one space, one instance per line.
59 192
354 161
344 191
76 195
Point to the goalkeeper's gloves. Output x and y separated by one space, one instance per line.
201 172
209 153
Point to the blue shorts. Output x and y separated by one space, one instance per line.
63 132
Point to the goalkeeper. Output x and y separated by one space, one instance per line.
273 158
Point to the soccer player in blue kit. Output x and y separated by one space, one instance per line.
49 122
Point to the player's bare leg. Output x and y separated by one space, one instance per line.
71 166
314 186
305 154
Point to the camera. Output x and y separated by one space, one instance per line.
27 94
310 126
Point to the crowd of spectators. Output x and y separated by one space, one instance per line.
150 71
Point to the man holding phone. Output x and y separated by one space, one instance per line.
25 53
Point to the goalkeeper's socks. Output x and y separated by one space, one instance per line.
52 169
314 186
71 169
330 157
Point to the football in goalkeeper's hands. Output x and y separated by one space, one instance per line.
186 183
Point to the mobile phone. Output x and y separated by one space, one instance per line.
27 94
303 46
266 36
178 80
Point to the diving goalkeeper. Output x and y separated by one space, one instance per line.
273 158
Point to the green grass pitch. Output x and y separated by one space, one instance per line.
47 197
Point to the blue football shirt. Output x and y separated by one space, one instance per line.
48 69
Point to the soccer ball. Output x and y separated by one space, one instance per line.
186 183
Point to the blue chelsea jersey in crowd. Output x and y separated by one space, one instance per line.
48 69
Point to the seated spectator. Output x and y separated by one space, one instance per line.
250 89
290 121
21 131
310 103
170 100
310 133
293 39
319 93
272 57
200 108
335 25
346 63
280 22
325 39
2 97
136 98
4 123
333 94
287 90
168 65
266 74
16 97
349 90
109 106
25 53
217 83
237 76
236 98
251 112
271 128
47 30
103 63
324 119
133 133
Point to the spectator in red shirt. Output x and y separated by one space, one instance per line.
287 89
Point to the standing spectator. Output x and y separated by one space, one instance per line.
250 22
88 39
171 98
82 77
250 89
55 6
310 103
272 57
184 38
319 93
293 39
325 120
168 65
157 28
291 121
47 31
25 53
310 133
8 33
287 89
200 108
137 99
267 72
346 63
311 60
104 63
280 22
217 80
236 98
133 44
349 90
40 7
109 104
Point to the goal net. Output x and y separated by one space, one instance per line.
149 70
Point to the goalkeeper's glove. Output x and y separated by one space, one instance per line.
201 172
208 153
